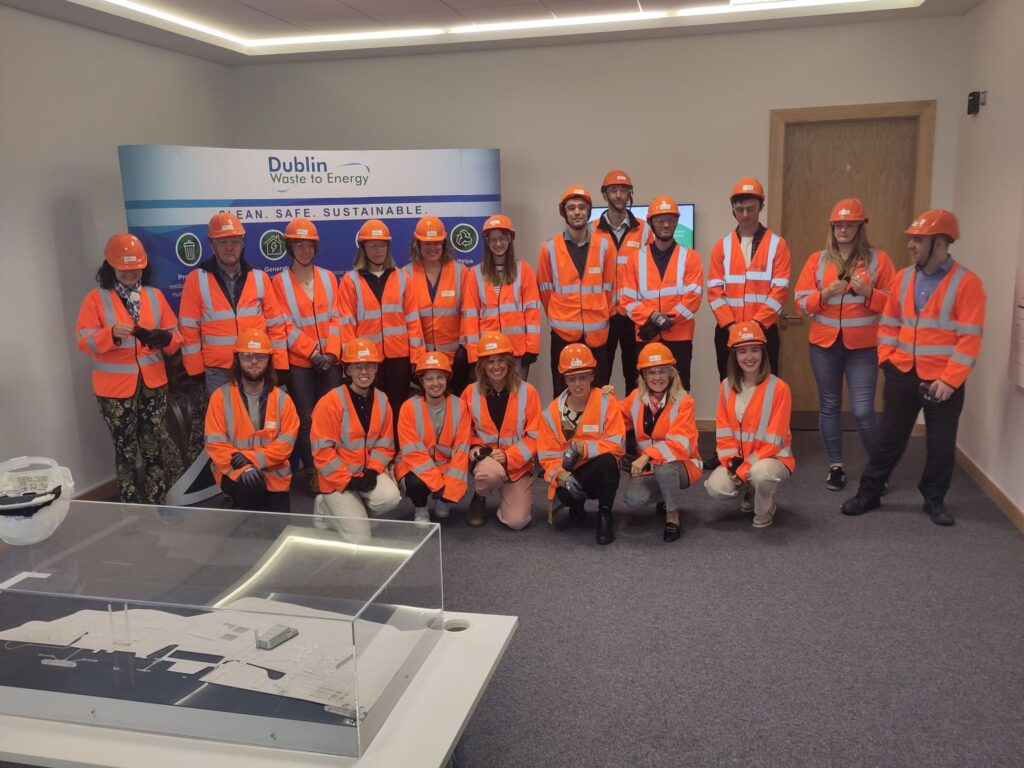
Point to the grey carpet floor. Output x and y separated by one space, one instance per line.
882 640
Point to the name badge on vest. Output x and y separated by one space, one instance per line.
633 243
270 425
447 294
594 270
590 427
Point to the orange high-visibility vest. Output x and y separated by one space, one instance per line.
312 326
440 317
944 341
850 314
342 449
737 292
626 253
677 294
209 326
764 431
229 430
577 308
116 367
675 433
518 434
513 310
393 324
442 461
600 429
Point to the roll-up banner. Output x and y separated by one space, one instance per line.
171 192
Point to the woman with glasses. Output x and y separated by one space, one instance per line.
844 289
501 295
661 416
581 437
127 328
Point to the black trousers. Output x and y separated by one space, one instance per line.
622 334
722 349
306 386
419 492
682 351
599 478
903 401
600 355
258 499
394 377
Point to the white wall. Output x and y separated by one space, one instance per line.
989 200
69 96
685 116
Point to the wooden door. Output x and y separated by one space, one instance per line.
880 153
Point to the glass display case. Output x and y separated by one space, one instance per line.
251 627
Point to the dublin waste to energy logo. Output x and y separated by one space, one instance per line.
464 238
188 249
272 244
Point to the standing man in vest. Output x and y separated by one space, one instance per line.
662 286
576 276
221 298
628 235
748 275
929 337
251 426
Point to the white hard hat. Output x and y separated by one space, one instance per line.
35 494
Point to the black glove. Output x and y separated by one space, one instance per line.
319 362
572 485
238 460
253 479
142 334
366 483
329 360
159 338
484 452
661 320
626 462
529 358
648 331
734 464
569 457
284 377
198 380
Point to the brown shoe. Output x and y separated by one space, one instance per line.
312 482
477 511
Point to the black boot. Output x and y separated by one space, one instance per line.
605 530
577 512
477 510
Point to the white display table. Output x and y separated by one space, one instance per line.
422 730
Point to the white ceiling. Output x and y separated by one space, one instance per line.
243 31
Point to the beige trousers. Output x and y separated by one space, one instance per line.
516 507
764 478
346 511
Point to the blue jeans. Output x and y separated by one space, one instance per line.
861 369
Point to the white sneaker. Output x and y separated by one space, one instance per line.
747 500
442 510
422 515
764 520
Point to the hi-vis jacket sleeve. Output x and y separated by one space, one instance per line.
169 322
678 444
629 293
726 445
413 326
94 338
190 315
325 437
412 449
778 438
692 289
456 474
521 454
276 330
769 311
277 452
716 286
217 447
544 275
969 311
531 307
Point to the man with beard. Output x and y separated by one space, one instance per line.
251 426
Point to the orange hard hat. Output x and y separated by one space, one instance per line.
434 361
662 205
653 355
935 222
848 209
576 357
748 186
493 343
254 340
224 225
746 333
498 221
373 229
576 190
430 229
124 251
361 351
616 177
301 229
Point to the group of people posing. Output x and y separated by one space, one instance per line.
305 371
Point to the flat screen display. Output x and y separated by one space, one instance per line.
684 229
